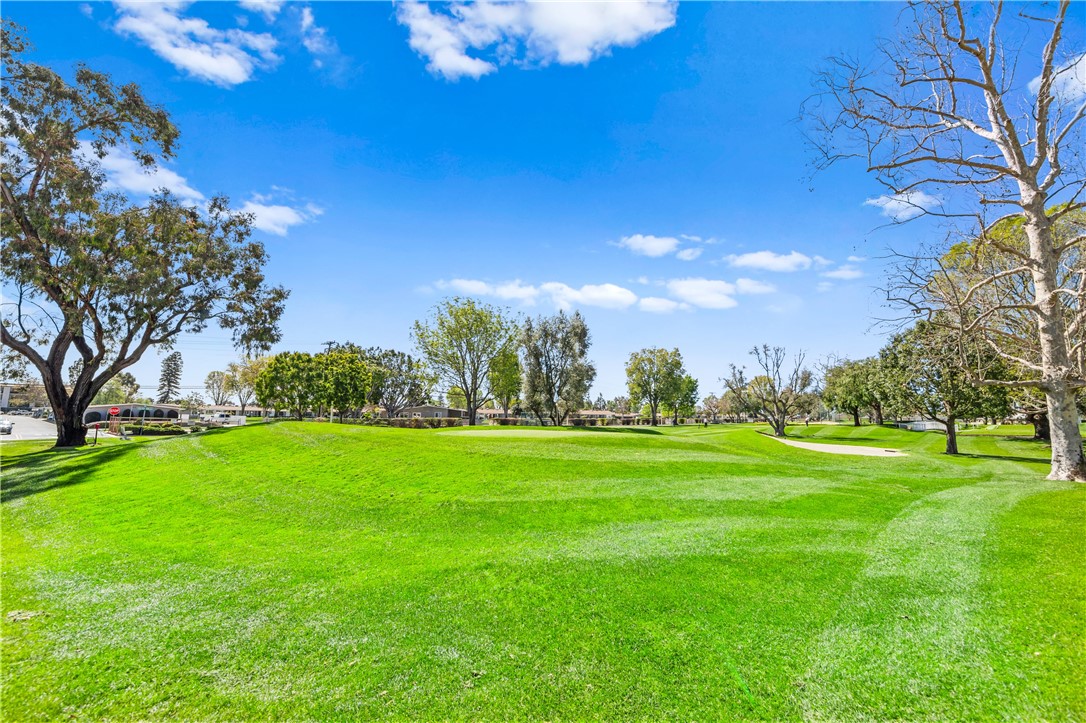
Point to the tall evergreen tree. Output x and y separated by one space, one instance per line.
169 381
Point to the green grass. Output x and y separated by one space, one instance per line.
307 571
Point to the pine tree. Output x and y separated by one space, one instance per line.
169 383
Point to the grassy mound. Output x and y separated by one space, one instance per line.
298 570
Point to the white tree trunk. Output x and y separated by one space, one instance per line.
1067 457
1056 368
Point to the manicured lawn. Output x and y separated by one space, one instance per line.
313 571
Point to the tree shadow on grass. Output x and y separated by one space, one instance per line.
52 469
617 430
1005 458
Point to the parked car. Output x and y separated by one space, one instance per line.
6 427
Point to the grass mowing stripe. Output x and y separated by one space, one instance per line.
915 617
304 571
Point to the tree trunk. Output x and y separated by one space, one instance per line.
67 412
877 409
1039 420
70 431
652 411
951 436
778 427
1067 457
856 417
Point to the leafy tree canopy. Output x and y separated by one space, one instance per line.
86 273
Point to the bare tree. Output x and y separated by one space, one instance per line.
777 394
959 118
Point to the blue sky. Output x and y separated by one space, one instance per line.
642 163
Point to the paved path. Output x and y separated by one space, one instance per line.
843 448
27 428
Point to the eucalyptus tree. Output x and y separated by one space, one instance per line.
89 276
977 118
557 373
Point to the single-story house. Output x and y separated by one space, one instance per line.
431 411
922 425
100 412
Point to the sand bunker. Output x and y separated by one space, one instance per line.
844 449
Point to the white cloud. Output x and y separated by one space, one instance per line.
437 38
509 290
750 286
658 246
846 272
821 261
607 296
647 245
824 286
321 46
568 33
277 218
687 293
856 259
268 8
771 261
467 286
704 293
1070 82
223 57
904 206
124 173
514 290
657 305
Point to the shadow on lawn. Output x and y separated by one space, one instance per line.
54 468
1006 458
617 430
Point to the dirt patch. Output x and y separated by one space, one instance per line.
18 616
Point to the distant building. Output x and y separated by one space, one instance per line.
430 411
603 417
922 425
100 412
